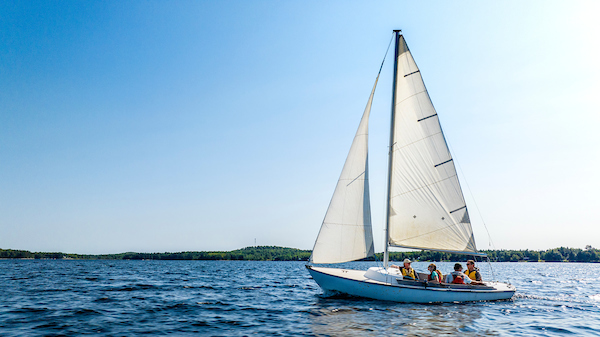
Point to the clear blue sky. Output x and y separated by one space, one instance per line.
202 125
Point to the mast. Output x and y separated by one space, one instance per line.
386 253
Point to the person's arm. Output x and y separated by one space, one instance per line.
466 278
478 280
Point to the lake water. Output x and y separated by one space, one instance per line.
237 298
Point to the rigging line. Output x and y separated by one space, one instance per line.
384 207
385 240
378 261
492 269
385 204
386 52
474 201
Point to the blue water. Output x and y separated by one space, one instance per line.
237 298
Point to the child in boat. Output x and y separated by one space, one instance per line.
457 276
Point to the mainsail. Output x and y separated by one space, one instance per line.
346 233
427 209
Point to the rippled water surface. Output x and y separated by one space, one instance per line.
236 298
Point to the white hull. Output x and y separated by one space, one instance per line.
379 284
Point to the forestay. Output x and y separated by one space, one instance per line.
427 208
346 233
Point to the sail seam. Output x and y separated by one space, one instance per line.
465 252
353 180
416 141
437 230
421 187
411 96
347 179
346 224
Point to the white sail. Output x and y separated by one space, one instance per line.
427 207
346 233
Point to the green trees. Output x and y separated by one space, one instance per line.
274 253
15 254
561 254
553 255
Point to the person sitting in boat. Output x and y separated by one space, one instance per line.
457 276
407 270
435 275
473 272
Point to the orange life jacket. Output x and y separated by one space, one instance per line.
457 279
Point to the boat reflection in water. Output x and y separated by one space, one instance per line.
352 317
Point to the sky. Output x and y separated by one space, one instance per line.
156 126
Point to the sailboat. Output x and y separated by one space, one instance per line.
425 210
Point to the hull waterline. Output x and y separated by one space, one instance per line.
380 285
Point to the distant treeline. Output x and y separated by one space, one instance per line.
261 253
273 253
561 254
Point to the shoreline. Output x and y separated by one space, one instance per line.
274 253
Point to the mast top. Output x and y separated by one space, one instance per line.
397 30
